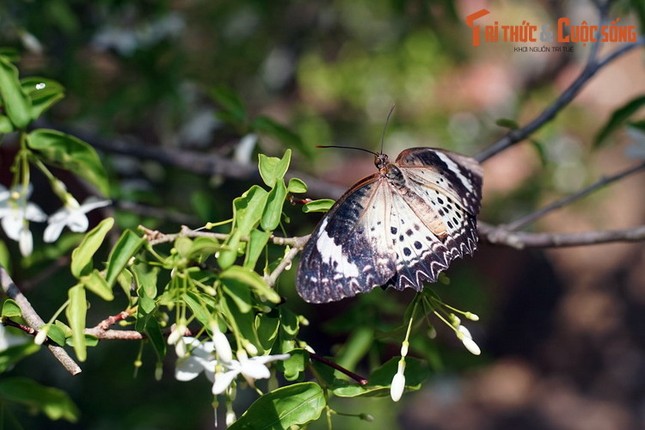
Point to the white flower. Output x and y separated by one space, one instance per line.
16 212
222 372
463 334
73 216
398 382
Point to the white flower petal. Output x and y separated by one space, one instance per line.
12 224
77 222
254 369
52 231
467 339
187 369
269 358
26 242
222 347
92 203
223 380
34 213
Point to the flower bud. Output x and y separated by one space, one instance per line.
463 334
41 337
398 382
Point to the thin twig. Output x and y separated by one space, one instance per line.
35 321
358 378
520 240
527 219
593 66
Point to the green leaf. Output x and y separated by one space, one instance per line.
6 126
297 186
242 322
10 309
71 153
269 127
257 242
293 405
228 254
239 292
617 119
248 209
125 248
507 123
97 284
155 336
43 93
295 365
146 280
272 169
82 256
322 205
237 275
76 313
197 306
267 328
273 210
12 355
54 403
416 371
231 104
17 103
57 334
202 247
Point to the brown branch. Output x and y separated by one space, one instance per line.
358 378
527 219
592 67
520 240
35 321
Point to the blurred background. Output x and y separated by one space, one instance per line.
162 88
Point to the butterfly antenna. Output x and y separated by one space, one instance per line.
387 121
348 147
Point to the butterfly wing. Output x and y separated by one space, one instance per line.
347 253
438 198
398 229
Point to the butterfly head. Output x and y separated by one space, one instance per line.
382 162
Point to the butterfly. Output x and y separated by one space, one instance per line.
399 227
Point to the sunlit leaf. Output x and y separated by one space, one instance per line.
125 248
10 309
76 313
322 205
257 242
297 186
273 210
293 405
97 284
16 102
43 93
249 279
272 169
71 153
82 256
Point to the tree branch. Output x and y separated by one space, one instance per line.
35 321
593 65
520 240
602 182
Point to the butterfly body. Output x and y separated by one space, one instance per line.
398 227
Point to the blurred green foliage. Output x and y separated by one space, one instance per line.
200 74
